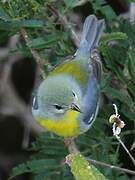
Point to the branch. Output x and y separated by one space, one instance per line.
118 124
70 143
66 25
110 166
127 151
34 53
73 149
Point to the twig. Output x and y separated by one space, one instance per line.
34 53
73 149
111 166
65 24
69 142
133 146
123 145
116 110
118 124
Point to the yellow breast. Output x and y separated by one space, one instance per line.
66 127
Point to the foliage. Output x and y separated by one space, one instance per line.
81 169
53 43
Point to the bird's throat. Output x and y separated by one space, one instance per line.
66 127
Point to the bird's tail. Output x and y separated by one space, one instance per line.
92 31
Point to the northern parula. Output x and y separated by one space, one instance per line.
68 99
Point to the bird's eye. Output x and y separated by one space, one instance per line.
74 94
58 107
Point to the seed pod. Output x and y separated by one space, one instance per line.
112 118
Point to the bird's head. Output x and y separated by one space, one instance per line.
58 95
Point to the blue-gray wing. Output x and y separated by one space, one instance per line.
91 98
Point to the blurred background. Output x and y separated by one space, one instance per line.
36 35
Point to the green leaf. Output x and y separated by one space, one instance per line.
108 12
17 24
4 16
74 3
128 113
119 95
105 82
45 42
131 87
113 36
35 166
131 63
32 23
46 175
69 3
82 170
102 7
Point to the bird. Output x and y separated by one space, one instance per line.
67 101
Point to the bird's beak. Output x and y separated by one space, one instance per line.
75 107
